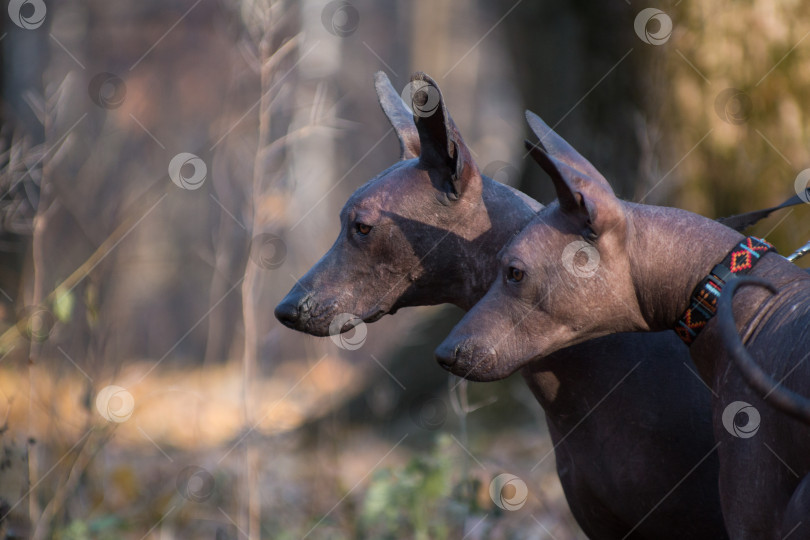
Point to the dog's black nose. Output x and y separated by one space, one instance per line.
447 354
287 313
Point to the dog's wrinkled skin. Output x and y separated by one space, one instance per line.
649 261
619 461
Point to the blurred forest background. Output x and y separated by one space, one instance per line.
146 391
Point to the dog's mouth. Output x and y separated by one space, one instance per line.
375 316
355 320
474 361
322 320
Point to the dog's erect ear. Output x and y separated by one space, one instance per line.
559 148
399 115
442 147
588 201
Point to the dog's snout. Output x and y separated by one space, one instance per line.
287 313
467 358
447 354
294 310
304 306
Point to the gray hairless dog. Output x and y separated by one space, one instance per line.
630 424
591 265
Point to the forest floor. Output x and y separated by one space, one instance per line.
182 462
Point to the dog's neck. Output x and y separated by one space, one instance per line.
670 252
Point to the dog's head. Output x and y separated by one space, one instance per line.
563 280
404 233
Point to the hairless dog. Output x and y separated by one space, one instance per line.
630 424
591 265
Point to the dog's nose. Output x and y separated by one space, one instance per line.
287 312
467 358
447 354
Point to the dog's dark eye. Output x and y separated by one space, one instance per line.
362 228
514 274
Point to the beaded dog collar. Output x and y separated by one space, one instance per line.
703 304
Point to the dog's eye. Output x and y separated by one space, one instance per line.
362 228
514 274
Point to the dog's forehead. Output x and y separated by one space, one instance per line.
520 248
540 235
394 188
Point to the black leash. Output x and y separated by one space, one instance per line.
743 221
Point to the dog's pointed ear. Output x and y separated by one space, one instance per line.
398 115
588 201
442 147
559 148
